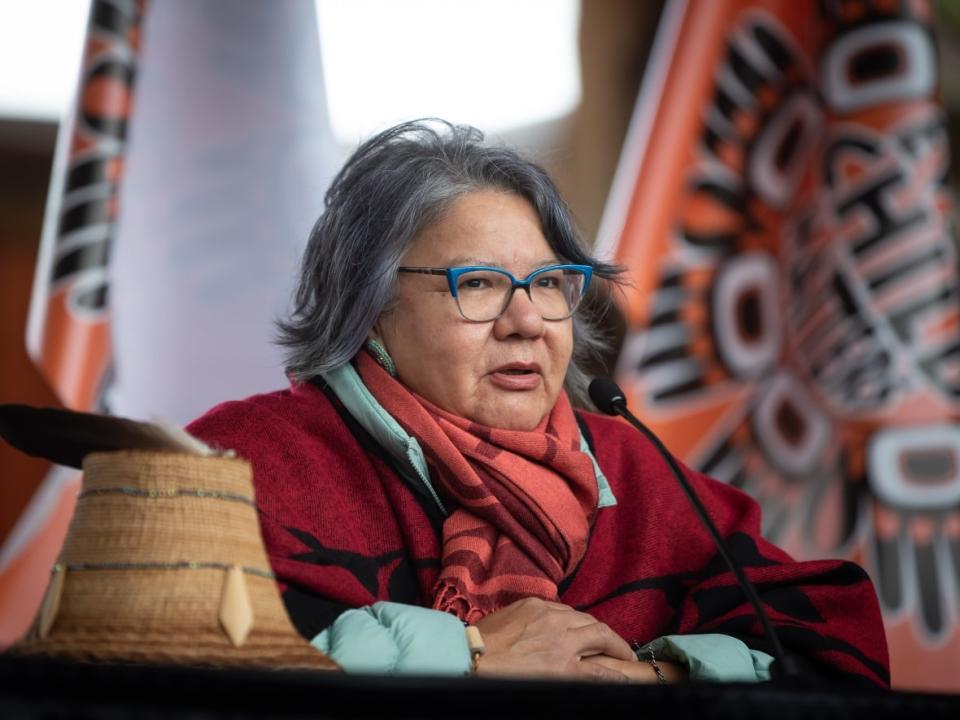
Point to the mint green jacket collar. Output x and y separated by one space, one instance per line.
360 403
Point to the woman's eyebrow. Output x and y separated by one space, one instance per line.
471 260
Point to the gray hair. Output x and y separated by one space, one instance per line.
392 187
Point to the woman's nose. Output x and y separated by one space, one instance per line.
521 317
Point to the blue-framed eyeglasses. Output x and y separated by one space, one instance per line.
483 293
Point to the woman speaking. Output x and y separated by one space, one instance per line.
426 469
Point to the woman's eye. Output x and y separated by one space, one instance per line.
549 282
474 283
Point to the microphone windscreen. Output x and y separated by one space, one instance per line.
606 395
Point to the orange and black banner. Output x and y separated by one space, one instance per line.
794 326
68 328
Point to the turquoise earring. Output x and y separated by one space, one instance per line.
381 355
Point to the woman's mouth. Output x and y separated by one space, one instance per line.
517 376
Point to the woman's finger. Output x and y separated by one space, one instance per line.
599 639
599 673
570 617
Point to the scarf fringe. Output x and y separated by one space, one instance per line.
450 599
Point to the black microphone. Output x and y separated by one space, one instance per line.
609 399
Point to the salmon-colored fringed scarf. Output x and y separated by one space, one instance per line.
525 499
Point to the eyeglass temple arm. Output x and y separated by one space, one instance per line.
423 270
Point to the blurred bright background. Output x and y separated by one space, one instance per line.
421 57
40 58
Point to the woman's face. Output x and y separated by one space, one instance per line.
505 373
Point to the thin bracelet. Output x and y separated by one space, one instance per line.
652 659
476 645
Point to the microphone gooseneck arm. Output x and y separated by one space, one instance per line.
609 399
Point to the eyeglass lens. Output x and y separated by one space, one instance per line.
483 294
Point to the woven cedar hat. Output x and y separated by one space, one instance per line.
164 562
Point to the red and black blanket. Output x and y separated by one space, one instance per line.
343 529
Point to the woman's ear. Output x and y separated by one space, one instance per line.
381 328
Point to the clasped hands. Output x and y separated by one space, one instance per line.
533 637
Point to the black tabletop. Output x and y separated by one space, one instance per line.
33 687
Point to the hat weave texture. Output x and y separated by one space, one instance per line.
145 566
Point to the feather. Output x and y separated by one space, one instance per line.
65 437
